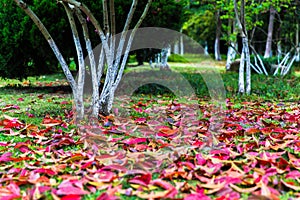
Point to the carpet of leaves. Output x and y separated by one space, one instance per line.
155 149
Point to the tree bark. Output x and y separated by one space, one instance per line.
218 34
81 71
268 50
115 61
232 48
181 46
297 41
164 58
245 56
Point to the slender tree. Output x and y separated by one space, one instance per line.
218 35
245 55
270 33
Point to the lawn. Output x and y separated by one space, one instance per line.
155 145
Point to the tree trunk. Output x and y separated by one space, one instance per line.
268 50
218 34
241 73
113 56
176 47
206 48
245 56
165 52
232 48
181 46
297 42
247 61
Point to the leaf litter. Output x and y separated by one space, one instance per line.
153 149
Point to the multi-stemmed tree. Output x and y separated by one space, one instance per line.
112 56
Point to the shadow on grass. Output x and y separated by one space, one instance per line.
61 89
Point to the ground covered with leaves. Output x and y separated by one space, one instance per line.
151 148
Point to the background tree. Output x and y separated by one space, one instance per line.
245 55
22 49
165 14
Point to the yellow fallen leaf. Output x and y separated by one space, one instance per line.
294 187
244 190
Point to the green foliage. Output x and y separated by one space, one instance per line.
200 25
264 87
24 51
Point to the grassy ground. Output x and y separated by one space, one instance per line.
155 145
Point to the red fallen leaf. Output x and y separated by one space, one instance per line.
4 144
64 102
10 192
200 159
198 143
103 196
291 185
196 197
163 184
252 130
141 120
50 122
6 157
45 171
65 141
282 163
293 174
167 132
43 189
106 176
10 106
187 164
143 179
71 197
223 198
71 190
22 146
43 179
87 165
11 124
14 188
131 141
141 147
266 130
75 157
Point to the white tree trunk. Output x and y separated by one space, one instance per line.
270 33
176 47
231 54
165 52
279 50
181 46
218 34
248 67
206 48
297 42
245 57
241 73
